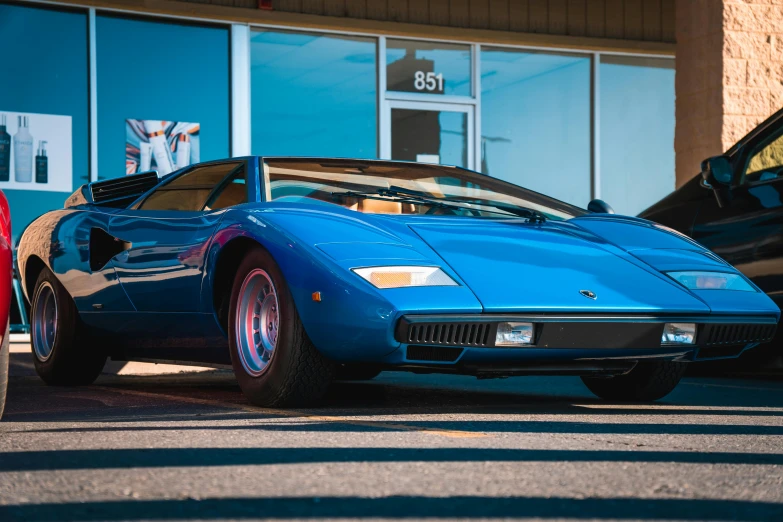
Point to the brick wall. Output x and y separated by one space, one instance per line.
752 65
729 74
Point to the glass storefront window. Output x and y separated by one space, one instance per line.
44 106
535 128
313 95
429 136
636 126
163 95
428 67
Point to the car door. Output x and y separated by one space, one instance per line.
747 231
169 233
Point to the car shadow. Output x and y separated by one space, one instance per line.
462 507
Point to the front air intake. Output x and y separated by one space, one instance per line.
449 334
728 334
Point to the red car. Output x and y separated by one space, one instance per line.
6 275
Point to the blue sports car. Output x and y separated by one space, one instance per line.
297 271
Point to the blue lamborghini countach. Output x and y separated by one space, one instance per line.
298 271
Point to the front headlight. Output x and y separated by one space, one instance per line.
405 276
699 280
678 333
514 334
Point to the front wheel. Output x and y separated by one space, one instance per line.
648 381
273 359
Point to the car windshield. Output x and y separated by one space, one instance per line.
387 187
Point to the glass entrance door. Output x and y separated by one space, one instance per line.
429 133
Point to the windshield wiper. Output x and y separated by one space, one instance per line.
533 215
403 195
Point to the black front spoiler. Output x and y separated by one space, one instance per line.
582 331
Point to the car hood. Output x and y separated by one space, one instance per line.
522 267
510 265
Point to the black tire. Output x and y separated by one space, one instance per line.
73 358
648 381
5 359
296 374
356 372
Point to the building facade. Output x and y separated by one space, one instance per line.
575 99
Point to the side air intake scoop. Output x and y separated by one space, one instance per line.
103 247
117 193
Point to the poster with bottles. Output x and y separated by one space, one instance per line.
35 152
160 145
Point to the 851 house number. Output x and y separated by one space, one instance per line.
428 81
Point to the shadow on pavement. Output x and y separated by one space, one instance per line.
200 457
469 426
401 507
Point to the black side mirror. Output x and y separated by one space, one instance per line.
599 206
717 174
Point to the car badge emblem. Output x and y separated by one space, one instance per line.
588 294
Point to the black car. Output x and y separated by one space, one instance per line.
735 208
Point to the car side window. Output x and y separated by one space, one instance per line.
232 191
189 191
765 162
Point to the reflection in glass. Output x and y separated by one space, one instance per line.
636 97
140 79
428 67
535 128
313 95
430 136
45 71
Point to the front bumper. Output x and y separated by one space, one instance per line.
448 338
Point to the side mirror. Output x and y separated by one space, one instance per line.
716 171
599 206
717 174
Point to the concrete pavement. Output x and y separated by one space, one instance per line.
188 446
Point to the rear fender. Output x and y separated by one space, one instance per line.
61 240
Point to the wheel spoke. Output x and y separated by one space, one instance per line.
257 322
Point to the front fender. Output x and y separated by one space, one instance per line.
354 321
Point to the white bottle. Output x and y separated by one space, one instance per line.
183 150
23 152
160 146
145 156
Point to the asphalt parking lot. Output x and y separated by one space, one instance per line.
152 446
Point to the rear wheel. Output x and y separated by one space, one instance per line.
648 381
273 359
5 357
63 353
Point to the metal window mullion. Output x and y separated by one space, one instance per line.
240 90
384 123
93 95
596 127
476 68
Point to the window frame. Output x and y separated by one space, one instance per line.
137 205
753 148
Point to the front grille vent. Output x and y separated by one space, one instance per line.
125 189
432 354
727 334
454 334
